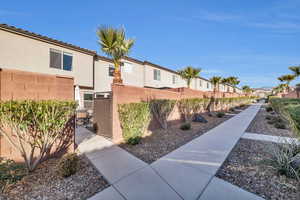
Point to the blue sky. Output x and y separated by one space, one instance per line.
255 40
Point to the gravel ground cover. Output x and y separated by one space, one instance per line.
45 183
247 168
156 144
260 125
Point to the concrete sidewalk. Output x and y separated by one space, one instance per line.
270 138
186 173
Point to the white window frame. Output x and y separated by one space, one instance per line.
156 74
62 53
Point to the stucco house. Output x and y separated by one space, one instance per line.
93 74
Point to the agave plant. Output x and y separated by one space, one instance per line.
189 73
113 43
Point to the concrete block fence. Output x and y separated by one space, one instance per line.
106 114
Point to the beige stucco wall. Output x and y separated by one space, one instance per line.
195 84
166 78
23 53
132 74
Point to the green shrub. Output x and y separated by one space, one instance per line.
186 126
269 109
220 114
189 107
37 125
134 119
68 165
161 109
10 172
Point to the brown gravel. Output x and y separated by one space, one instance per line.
247 168
44 183
260 125
158 143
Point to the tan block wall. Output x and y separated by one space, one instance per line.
20 85
122 94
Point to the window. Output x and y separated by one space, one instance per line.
207 85
67 61
200 83
174 79
127 68
156 74
111 70
59 60
55 59
88 99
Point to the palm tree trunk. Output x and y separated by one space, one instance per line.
117 74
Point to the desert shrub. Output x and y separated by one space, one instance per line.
34 127
68 165
161 109
269 109
220 114
186 126
269 117
10 172
283 157
280 125
189 107
231 109
134 119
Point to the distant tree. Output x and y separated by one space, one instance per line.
234 81
287 79
189 73
216 80
113 43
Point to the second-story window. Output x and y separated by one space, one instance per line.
61 60
67 61
174 79
156 74
55 59
111 70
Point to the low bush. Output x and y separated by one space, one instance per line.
231 109
280 125
10 172
269 109
283 157
220 114
134 119
269 117
189 107
68 165
161 109
34 128
186 126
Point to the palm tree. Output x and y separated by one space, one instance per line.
234 81
246 89
113 43
216 80
296 70
189 73
225 81
287 79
